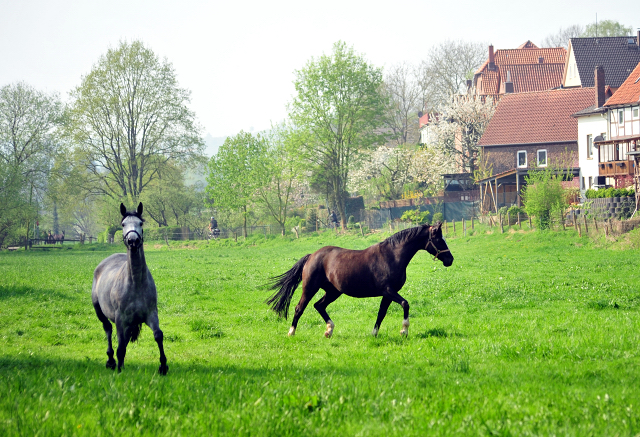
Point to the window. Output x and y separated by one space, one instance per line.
589 146
522 158
542 158
582 183
635 112
621 116
590 182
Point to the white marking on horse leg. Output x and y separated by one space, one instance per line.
375 331
329 332
292 331
405 327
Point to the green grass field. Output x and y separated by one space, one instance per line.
527 333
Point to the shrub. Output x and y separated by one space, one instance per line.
438 217
117 237
609 192
543 196
415 216
514 210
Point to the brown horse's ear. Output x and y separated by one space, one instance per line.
123 210
438 228
140 208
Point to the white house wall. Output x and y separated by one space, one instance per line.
593 125
630 125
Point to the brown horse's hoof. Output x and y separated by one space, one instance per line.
163 369
329 332
111 364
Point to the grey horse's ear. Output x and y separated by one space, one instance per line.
123 210
140 208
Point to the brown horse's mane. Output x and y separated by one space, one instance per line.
403 236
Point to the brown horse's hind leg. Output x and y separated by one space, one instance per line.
321 306
382 312
307 294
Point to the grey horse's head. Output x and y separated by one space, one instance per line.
132 227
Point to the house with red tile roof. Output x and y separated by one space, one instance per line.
530 130
615 152
524 69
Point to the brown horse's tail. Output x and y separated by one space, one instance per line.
286 285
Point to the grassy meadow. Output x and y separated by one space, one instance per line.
528 333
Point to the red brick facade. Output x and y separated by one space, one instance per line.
503 158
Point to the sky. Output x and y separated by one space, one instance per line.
239 59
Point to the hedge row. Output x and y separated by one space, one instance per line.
609 192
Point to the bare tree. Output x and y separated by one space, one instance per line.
404 94
562 36
447 68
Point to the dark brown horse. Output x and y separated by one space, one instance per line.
380 270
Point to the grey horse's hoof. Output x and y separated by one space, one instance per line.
163 369
111 364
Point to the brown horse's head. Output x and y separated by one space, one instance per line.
437 246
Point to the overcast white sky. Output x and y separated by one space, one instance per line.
238 58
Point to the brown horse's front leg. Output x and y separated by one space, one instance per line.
395 297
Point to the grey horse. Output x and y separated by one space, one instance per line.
124 292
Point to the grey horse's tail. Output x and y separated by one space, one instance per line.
135 331
286 285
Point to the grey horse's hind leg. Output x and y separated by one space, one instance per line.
108 329
154 324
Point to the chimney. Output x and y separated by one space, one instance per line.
508 85
492 60
599 85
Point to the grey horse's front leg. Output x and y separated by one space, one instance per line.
154 324
124 336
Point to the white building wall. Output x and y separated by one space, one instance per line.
593 125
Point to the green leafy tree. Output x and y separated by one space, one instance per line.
29 122
606 28
236 172
415 216
279 167
128 119
339 103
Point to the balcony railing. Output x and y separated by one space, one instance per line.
616 168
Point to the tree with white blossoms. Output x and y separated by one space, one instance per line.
460 123
384 172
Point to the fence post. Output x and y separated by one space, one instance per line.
446 228
579 230
519 222
361 231
235 236
454 227
574 219
595 223
501 226
562 220
586 227
464 227
530 227
508 220
472 223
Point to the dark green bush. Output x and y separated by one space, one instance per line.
609 192
438 217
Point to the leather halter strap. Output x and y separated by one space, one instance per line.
438 251
124 236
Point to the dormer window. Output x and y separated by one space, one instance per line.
522 159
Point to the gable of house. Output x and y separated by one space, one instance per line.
629 91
